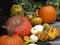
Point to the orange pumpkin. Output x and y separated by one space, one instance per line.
48 14
11 40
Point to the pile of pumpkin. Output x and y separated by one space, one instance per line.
26 30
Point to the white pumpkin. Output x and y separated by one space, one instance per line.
39 28
32 44
33 38
36 29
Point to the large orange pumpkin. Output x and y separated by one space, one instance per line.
20 25
11 40
48 14
14 40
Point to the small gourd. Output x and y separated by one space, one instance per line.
30 16
16 10
27 39
36 21
36 29
32 44
52 33
33 38
42 36
36 12
46 26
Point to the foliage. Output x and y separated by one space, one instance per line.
31 5
56 4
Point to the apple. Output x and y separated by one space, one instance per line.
33 38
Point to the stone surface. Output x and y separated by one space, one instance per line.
57 25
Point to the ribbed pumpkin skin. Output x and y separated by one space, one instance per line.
20 25
48 14
11 40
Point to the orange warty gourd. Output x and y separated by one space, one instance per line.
48 14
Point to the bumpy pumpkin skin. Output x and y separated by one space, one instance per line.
11 40
36 21
20 25
48 14
42 36
53 33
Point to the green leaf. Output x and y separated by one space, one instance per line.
33 7
58 11
59 2
50 3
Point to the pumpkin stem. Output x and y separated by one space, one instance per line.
17 21
52 29
9 31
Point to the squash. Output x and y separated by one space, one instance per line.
36 29
36 21
48 14
11 39
27 39
42 36
36 12
52 33
46 26
32 44
33 38
29 16
16 10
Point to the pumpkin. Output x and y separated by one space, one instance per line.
16 10
29 16
52 33
19 24
32 44
42 36
11 39
36 29
48 14
36 21
33 38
